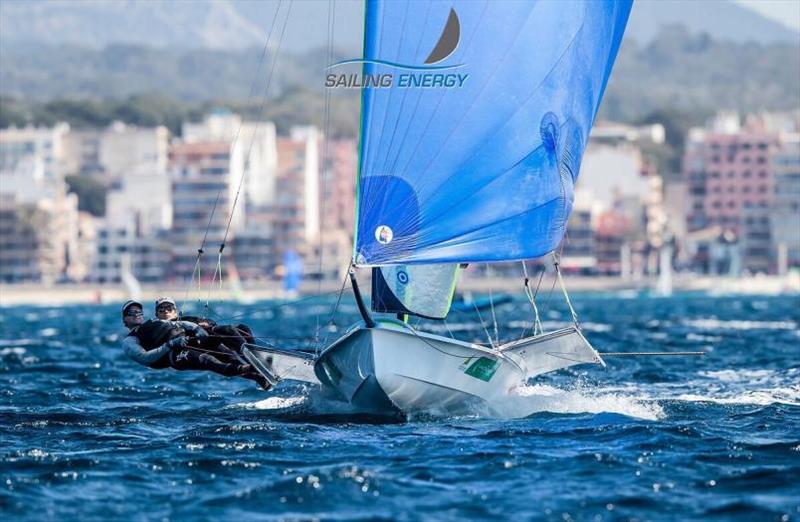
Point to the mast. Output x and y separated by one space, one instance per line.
368 322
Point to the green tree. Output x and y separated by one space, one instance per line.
91 194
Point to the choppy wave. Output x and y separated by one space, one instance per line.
88 435
717 324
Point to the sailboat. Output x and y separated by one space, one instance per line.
477 172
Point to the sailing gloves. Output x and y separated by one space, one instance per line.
178 343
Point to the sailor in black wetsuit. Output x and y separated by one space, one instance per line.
159 344
221 337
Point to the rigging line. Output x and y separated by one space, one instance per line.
494 317
537 324
532 299
331 321
480 318
564 289
325 150
560 251
273 307
253 84
217 270
448 329
200 252
541 276
255 133
500 355
634 354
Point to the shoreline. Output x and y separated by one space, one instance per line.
37 294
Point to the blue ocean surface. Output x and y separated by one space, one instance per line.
86 434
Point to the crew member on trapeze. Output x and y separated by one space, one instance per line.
162 343
220 336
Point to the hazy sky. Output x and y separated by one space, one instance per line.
785 11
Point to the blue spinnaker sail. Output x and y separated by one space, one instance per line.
472 150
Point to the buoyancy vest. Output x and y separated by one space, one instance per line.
154 333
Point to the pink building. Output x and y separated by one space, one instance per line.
340 186
730 185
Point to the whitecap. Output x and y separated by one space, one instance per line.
17 342
712 324
789 396
272 403
738 375
596 327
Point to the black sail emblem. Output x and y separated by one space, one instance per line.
448 41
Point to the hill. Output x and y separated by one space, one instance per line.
238 24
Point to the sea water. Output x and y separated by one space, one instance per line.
86 434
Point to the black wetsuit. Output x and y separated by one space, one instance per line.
233 337
153 334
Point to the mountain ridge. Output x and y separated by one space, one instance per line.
238 24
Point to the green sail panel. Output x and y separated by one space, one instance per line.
421 290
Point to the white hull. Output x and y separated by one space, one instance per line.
392 368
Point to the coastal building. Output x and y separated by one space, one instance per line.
256 141
82 153
38 233
611 235
337 207
339 185
128 151
619 204
124 253
785 217
116 152
253 251
39 227
297 206
205 178
41 144
578 252
730 184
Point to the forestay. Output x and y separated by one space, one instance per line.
481 168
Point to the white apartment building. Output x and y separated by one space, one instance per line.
39 225
44 144
205 178
256 141
785 216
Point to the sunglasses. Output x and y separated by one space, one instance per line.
165 308
134 313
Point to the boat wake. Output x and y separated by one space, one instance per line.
530 400
645 401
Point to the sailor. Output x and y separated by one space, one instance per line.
224 337
160 344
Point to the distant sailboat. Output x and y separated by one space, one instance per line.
664 284
480 173
132 284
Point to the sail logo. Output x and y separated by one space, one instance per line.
430 74
384 235
402 277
